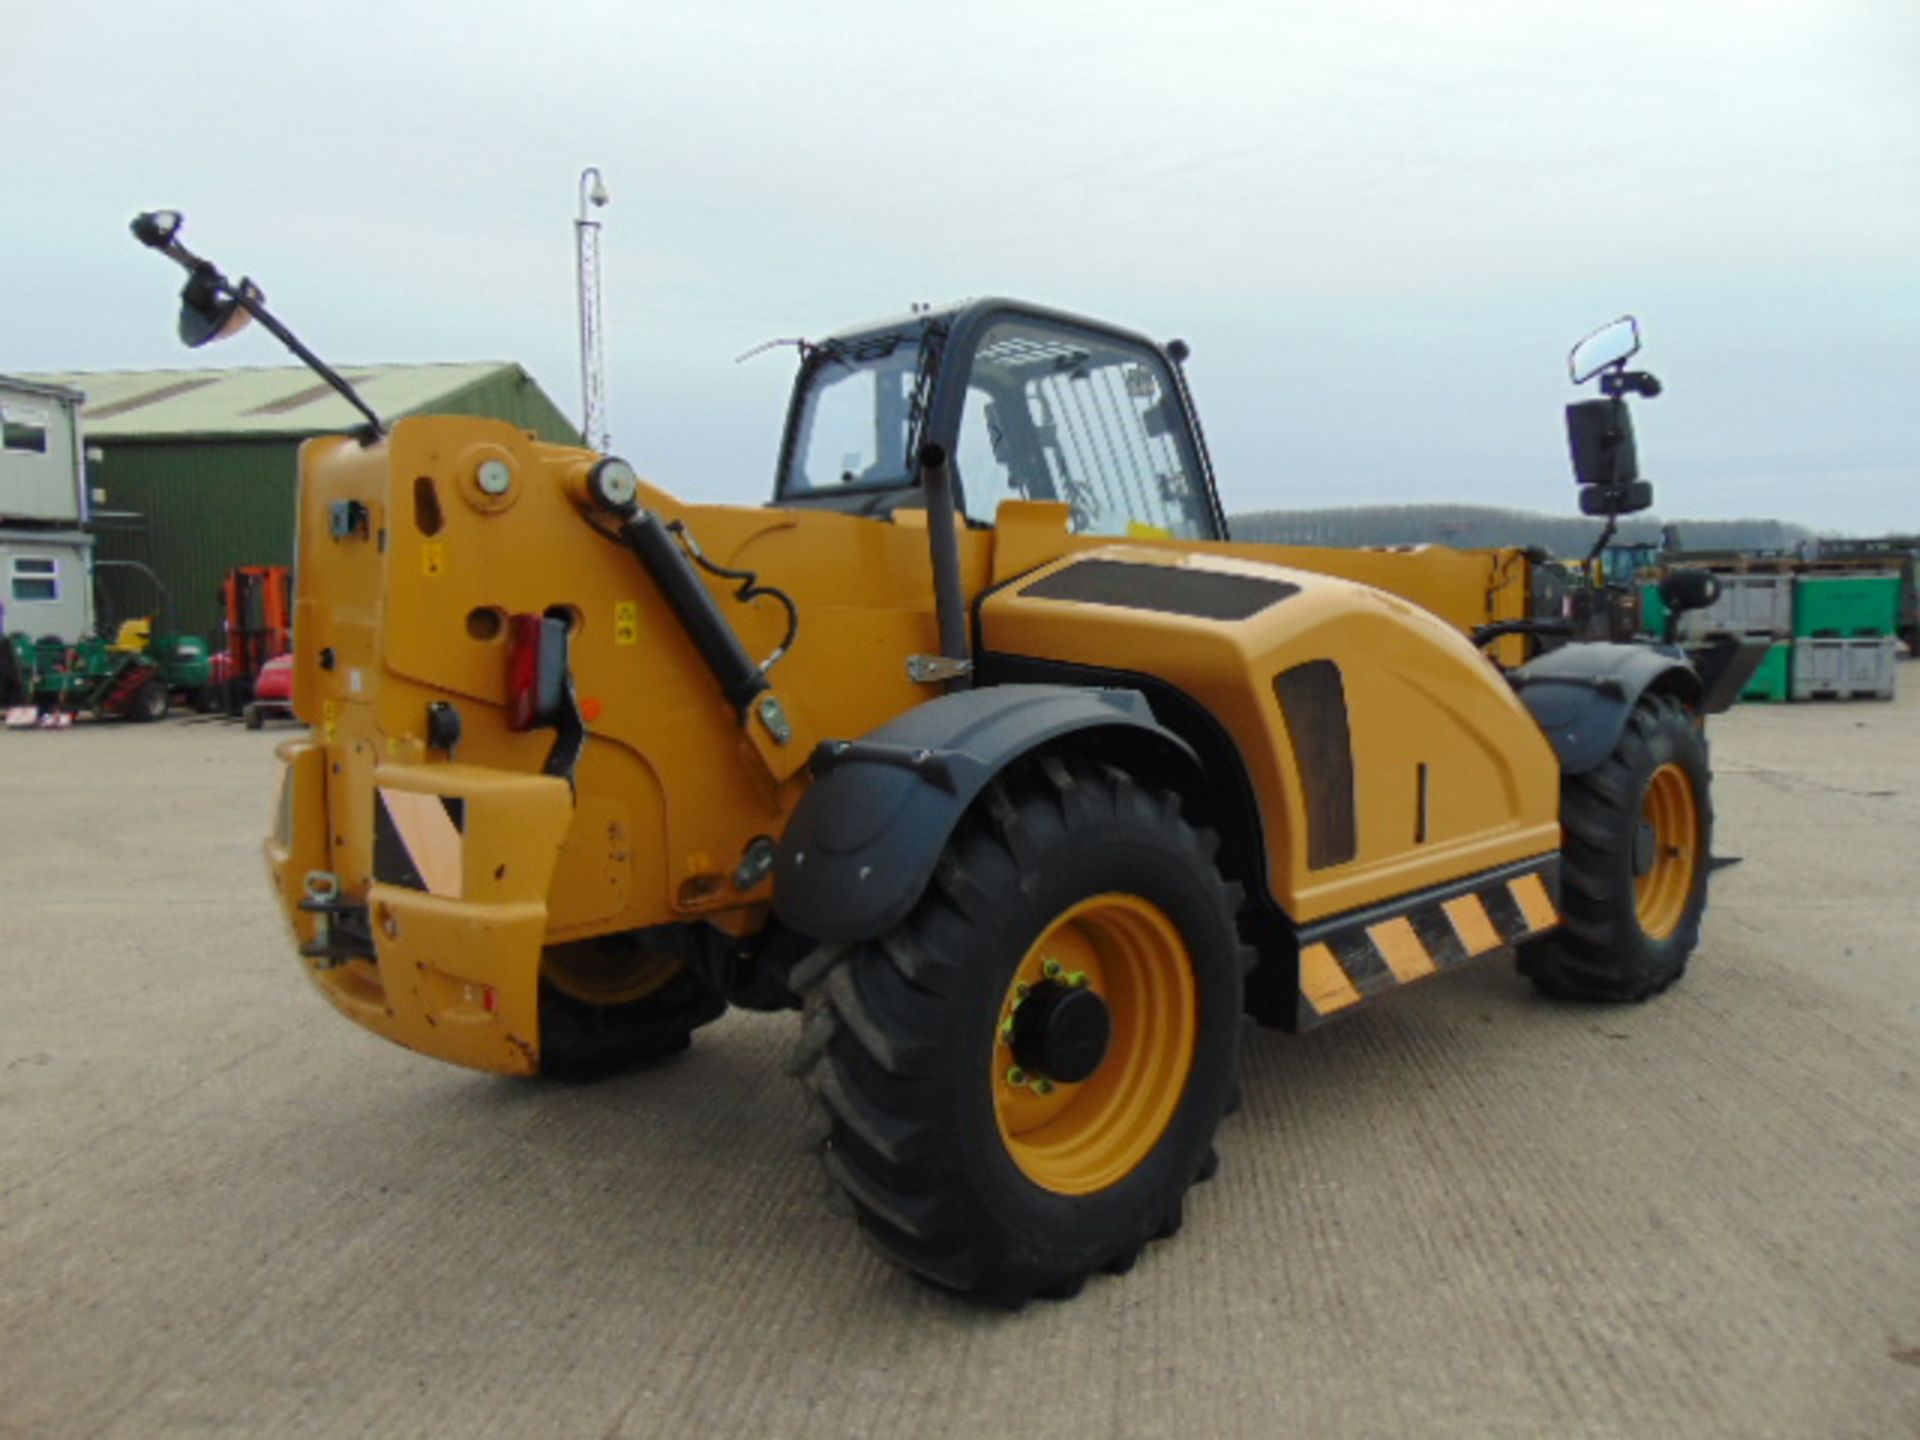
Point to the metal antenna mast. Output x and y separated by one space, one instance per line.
586 236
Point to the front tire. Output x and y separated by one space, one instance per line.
987 1140
1637 832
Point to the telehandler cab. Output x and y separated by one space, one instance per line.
982 745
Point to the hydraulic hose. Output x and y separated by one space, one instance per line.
694 606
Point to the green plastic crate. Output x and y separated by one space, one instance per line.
1846 606
1773 680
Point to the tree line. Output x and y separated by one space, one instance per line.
1471 527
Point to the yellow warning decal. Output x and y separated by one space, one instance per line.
626 622
433 557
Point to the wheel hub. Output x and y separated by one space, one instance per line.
1061 1032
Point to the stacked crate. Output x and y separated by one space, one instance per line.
1755 605
1843 628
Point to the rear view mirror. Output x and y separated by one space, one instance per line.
1605 463
1684 590
213 307
1609 346
1600 439
1689 589
156 228
211 311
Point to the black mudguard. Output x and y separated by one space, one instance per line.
865 838
1725 663
1581 695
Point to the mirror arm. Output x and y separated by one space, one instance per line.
245 294
1612 526
247 298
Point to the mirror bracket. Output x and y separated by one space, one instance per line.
1615 382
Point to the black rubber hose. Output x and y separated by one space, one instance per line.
694 606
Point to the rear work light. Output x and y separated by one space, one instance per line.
536 671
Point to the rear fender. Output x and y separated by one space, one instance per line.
865 838
1581 695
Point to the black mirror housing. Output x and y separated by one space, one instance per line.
156 228
1600 441
211 309
1689 589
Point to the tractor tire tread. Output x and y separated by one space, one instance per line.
870 1045
583 1043
1599 952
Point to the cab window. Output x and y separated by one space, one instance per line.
1053 413
857 420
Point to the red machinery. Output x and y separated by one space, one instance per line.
258 600
272 693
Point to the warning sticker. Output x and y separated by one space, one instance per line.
433 557
626 622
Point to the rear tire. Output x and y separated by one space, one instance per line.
919 1049
1637 832
621 1001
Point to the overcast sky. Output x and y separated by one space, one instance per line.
1379 225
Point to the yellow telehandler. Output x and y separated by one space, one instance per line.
982 745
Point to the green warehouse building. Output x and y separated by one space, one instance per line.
192 472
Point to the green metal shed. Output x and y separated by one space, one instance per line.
192 472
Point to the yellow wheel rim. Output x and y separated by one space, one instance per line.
596 976
1669 811
1077 1139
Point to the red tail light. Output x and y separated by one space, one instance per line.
536 670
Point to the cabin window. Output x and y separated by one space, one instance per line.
23 430
858 418
1056 413
35 578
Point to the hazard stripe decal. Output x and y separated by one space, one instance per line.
419 841
1504 910
1354 957
1436 932
1362 961
1531 895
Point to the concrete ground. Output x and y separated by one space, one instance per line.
1465 1211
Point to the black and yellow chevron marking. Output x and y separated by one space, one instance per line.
1343 962
419 840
